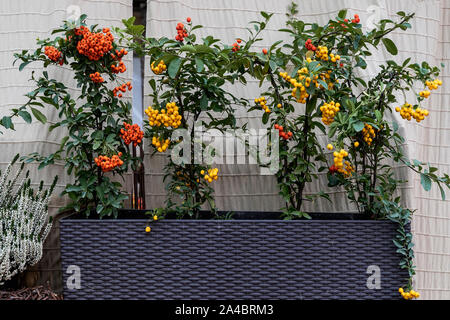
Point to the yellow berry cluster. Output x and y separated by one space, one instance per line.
408 295
368 133
160 68
329 111
304 81
339 158
160 145
342 166
263 103
211 175
169 118
298 85
334 58
407 112
347 169
424 93
322 53
433 85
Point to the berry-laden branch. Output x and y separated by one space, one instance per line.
189 87
94 146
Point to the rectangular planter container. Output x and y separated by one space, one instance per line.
230 259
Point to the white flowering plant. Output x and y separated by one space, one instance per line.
24 222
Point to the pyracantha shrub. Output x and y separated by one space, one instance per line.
95 144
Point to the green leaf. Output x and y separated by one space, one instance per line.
152 83
204 102
311 105
6 122
425 181
39 115
25 116
332 132
390 46
22 65
442 192
358 126
342 13
199 64
265 117
174 66
188 47
273 65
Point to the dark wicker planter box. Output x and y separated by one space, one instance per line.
229 259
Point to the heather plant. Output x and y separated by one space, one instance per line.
24 222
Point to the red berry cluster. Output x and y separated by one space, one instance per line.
118 56
53 54
309 45
96 77
284 135
182 33
94 44
122 88
131 134
236 45
355 20
333 169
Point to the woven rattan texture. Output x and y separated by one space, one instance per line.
229 259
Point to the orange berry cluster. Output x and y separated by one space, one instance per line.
160 145
167 118
131 134
309 45
407 112
119 54
211 175
122 88
94 44
107 163
181 32
408 295
53 54
96 77
368 133
120 68
329 111
263 103
282 133
160 68
236 46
